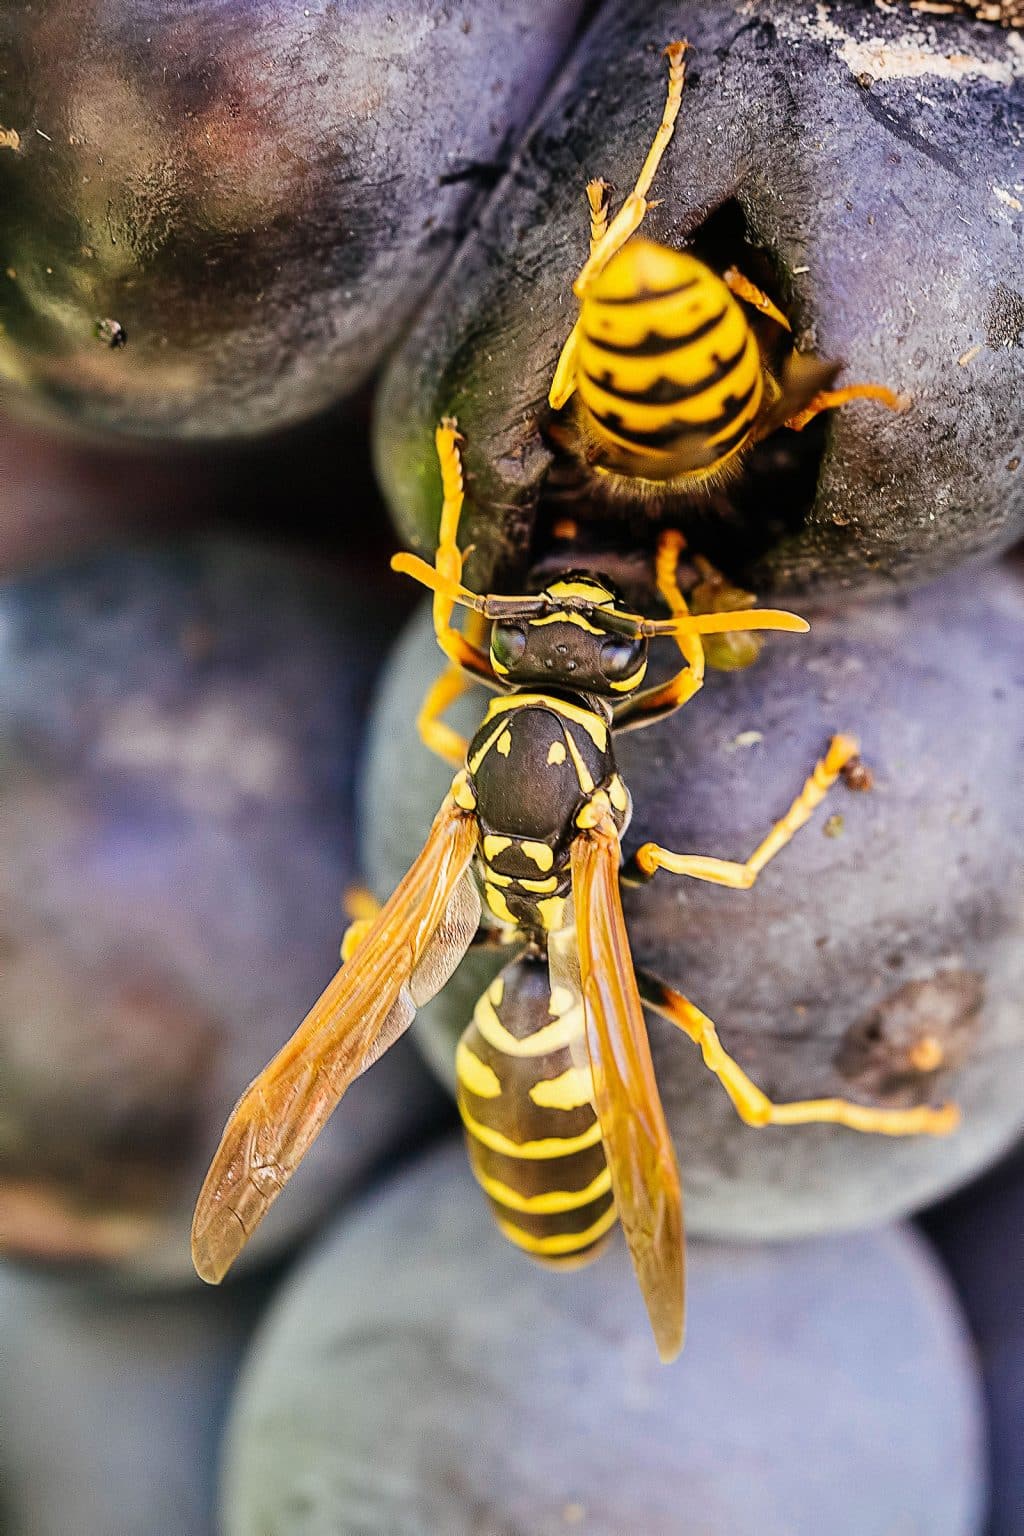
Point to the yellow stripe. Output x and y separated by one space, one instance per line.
533 1151
570 1090
478 757
538 887
494 845
462 794
552 913
630 682
474 1074
618 794
559 1242
586 589
568 618
594 726
582 771
540 853
553 1037
498 905
551 1202
562 999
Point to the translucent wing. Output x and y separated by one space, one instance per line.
412 948
645 1178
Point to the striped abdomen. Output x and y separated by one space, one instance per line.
533 1136
669 371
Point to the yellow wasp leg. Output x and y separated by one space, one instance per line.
827 398
842 750
354 935
597 197
626 222
658 702
563 385
434 734
448 559
631 215
362 907
744 289
464 654
755 1108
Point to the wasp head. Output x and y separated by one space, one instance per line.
570 640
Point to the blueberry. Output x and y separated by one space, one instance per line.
419 1376
860 162
179 733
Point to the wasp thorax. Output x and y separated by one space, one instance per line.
567 644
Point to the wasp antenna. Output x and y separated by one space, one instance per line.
739 619
429 576
726 623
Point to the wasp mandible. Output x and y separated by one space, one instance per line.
557 1090
670 381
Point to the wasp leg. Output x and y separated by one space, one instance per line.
744 289
466 657
631 215
826 399
842 751
448 559
354 935
434 734
627 221
756 1108
656 703
598 192
453 682
563 384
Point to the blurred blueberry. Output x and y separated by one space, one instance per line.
179 735
251 199
112 1407
418 1376
980 1236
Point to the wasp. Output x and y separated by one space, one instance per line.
556 1086
670 382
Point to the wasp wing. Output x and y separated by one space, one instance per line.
414 945
641 1157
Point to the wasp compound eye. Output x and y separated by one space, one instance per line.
508 642
620 657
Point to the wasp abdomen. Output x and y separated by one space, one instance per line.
525 1096
669 373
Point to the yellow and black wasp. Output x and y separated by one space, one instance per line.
557 1090
670 381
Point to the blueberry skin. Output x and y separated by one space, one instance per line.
218 221
113 1406
180 729
419 1376
873 156
979 1234
900 919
